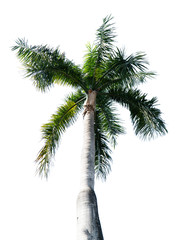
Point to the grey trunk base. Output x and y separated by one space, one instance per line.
89 227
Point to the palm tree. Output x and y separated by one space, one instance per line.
108 76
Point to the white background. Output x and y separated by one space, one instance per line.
147 194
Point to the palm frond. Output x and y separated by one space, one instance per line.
102 150
89 66
145 115
65 116
126 71
110 122
47 66
105 36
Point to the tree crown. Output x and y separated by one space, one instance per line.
109 71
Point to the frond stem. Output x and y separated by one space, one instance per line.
80 100
69 76
107 83
108 71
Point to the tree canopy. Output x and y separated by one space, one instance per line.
109 71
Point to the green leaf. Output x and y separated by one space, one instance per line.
145 115
90 59
109 119
102 150
105 37
47 66
65 116
126 71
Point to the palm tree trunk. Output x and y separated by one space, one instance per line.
88 223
